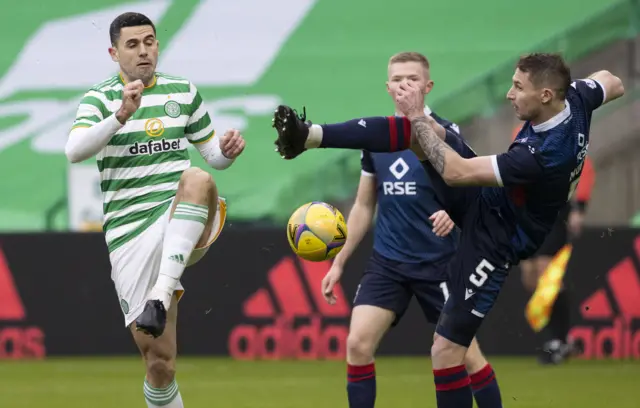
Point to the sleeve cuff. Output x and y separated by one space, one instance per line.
604 91
496 170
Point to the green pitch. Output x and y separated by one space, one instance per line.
209 382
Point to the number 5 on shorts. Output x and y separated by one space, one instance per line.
481 274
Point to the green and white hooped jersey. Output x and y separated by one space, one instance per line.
141 165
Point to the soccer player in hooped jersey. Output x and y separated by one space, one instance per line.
410 254
505 204
160 214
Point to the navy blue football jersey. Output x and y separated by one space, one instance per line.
541 170
406 199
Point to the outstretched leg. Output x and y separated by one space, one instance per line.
375 134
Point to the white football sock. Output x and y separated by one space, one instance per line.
315 137
182 235
168 397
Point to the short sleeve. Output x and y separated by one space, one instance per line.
199 127
592 92
517 166
367 164
91 110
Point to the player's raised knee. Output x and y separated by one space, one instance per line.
196 184
195 176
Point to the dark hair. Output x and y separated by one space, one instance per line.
129 19
547 70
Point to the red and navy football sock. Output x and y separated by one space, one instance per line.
361 385
485 388
452 388
375 134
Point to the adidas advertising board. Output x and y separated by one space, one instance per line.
18 338
263 303
610 315
300 325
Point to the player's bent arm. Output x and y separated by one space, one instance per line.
212 153
360 217
611 84
476 171
454 169
86 141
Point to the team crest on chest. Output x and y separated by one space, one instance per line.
172 109
154 127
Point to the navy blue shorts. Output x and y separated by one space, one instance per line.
476 276
479 267
390 285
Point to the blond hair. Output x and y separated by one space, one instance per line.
410 56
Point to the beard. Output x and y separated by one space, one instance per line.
143 73
525 114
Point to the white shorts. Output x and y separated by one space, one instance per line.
135 265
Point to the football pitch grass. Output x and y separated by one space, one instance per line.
213 382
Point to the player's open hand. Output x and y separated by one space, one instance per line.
131 98
410 99
329 282
442 224
232 144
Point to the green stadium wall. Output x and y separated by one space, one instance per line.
327 55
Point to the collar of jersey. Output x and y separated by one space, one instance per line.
153 83
427 111
554 121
